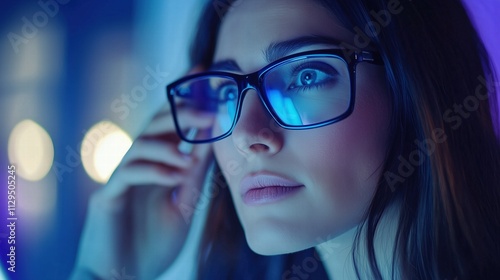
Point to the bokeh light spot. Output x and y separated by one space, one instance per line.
103 147
30 148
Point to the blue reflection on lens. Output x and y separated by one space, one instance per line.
284 107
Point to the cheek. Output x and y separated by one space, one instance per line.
230 161
362 139
345 164
353 149
342 175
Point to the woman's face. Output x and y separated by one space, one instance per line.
317 182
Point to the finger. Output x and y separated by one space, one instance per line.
142 175
201 152
159 152
164 122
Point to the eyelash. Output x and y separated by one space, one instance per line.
309 87
312 65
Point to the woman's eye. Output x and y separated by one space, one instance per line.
306 78
227 92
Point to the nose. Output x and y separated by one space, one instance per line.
256 132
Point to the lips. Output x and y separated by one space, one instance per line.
263 187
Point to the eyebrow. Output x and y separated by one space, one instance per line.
278 50
225 65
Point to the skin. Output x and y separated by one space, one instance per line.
339 164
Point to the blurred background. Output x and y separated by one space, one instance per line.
78 81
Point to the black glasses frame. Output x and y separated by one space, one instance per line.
255 81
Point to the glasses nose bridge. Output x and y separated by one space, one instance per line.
246 83
250 81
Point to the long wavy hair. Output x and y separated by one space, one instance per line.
442 87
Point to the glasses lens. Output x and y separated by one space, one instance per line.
209 97
309 91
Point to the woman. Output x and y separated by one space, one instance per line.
355 140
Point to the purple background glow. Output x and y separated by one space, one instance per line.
486 15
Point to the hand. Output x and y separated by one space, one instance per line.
134 222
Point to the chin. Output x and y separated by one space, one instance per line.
269 243
265 249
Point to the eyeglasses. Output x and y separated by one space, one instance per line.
301 91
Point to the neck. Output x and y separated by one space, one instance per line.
336 254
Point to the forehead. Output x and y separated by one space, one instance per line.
252 25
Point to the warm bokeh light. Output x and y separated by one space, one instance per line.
103 148
31 150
